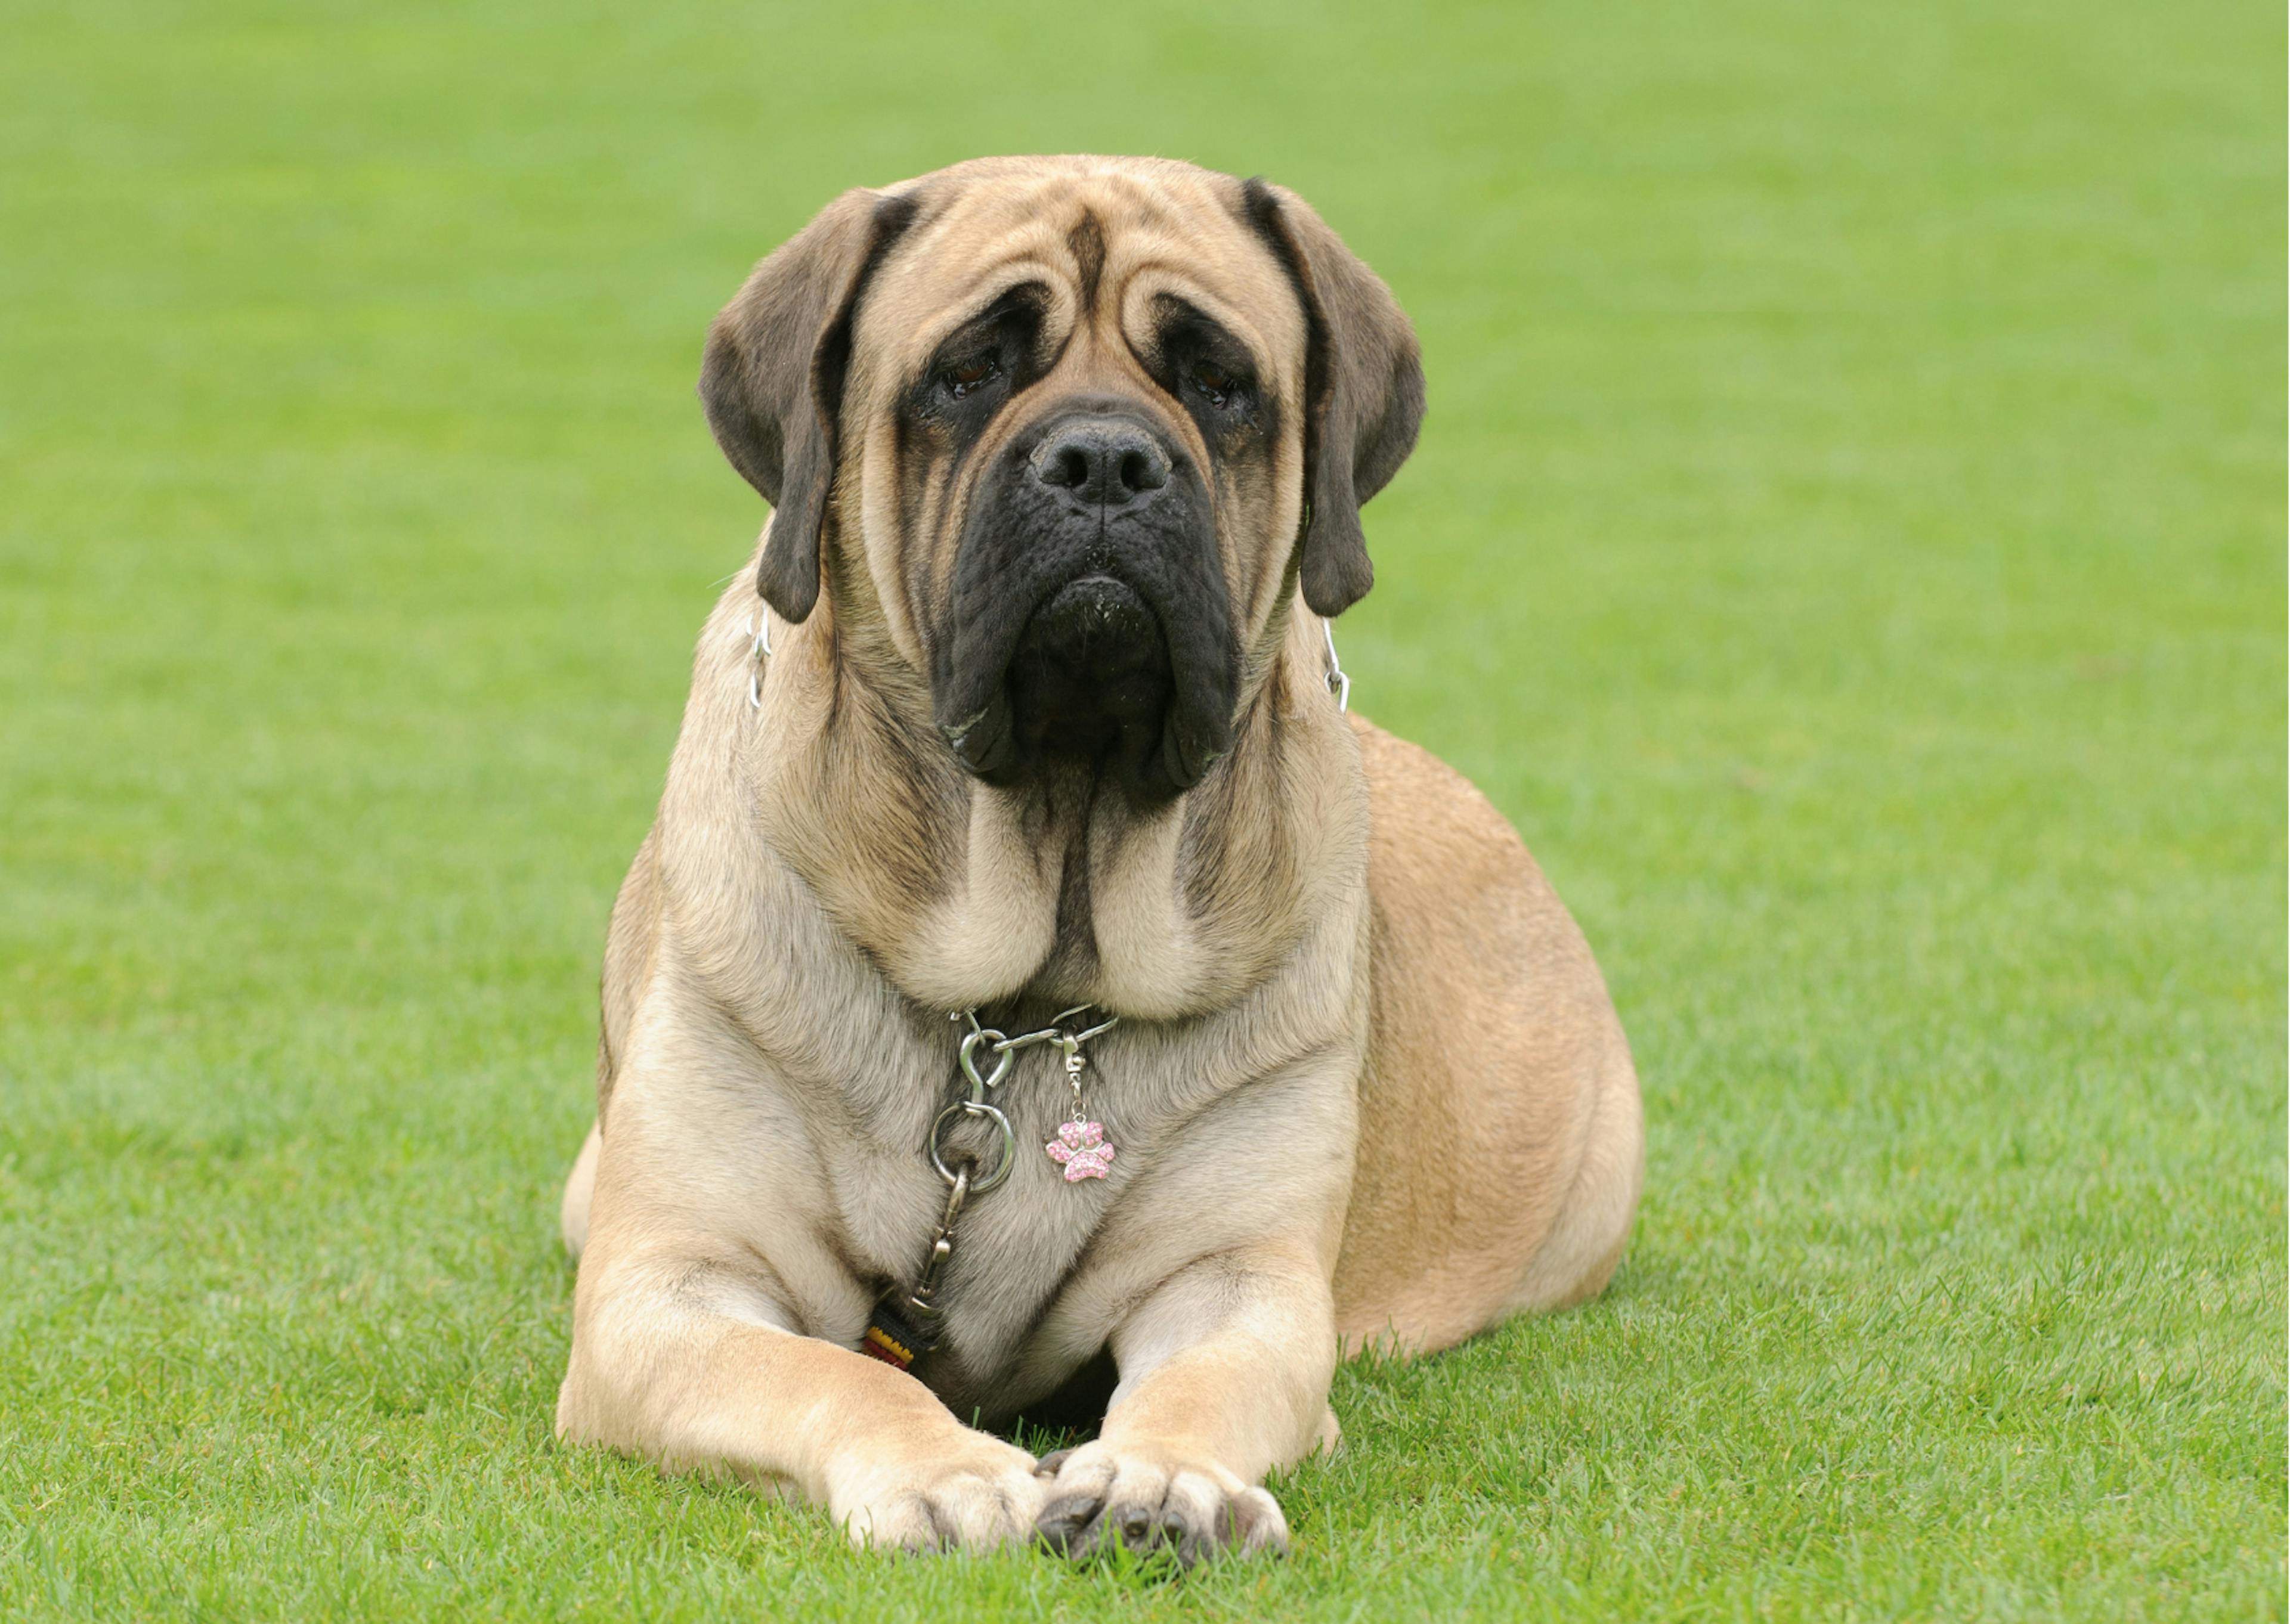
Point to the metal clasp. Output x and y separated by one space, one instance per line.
941 1248
1339 684
758 628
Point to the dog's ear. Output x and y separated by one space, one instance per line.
773 378
1363 390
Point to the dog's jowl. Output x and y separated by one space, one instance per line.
1032 965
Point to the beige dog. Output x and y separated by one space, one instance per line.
1035 711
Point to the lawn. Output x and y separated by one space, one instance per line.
1847 541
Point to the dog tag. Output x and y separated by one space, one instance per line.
1080 1149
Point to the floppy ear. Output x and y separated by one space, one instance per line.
1363 390
773 378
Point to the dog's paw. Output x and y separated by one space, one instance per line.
968 1491
1099 1496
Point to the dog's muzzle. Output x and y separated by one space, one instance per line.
1092 626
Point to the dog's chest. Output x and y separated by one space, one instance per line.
1017 1243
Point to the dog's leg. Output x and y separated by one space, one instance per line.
689 1361
1224 1376
580 1189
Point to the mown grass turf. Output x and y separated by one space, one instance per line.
1847 541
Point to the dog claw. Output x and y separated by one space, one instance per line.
1064 1523
1189 1515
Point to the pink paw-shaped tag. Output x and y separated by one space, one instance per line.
1080 1148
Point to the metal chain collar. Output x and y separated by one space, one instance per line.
1005 1050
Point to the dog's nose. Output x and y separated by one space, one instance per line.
1101 463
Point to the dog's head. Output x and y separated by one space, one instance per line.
1082 424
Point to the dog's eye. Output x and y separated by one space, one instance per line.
1214 381
964 376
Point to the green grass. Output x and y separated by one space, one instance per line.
1848 541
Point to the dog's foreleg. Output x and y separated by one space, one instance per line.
1224 1376
689 1361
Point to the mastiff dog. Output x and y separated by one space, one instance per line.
1037 995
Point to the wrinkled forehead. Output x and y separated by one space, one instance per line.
1112 240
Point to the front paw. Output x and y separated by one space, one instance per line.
960 1491
1150 1499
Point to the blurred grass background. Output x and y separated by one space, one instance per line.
1847 541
